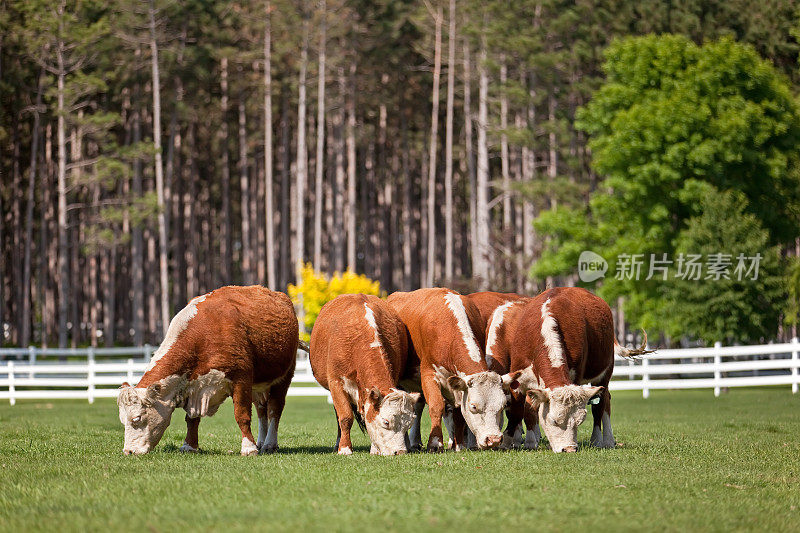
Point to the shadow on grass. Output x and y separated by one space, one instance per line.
283 450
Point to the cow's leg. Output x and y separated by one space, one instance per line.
433 396
514 413
191 444
263 422
459 430
242 411
602 412
415 433
447 420
532 434
275 405
344 415
472 442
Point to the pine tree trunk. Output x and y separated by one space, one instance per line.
350 104
339 192
63 247
244 183
25 333
189 218
468 136
406 217
159 172
302 159
481 250
225 243
285 250
529 174
431 199
448 154
320 159
269 217
137 242
504 147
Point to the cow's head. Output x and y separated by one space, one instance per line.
146 412
561 411
388 417
482 398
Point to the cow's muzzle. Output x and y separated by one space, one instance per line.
492 442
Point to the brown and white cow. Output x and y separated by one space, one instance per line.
563 342
495 309
359 349
234 341
447 336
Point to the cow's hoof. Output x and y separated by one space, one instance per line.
187 449
435 445
415 448
268 448
345 451
248 447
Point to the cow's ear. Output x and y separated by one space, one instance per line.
374 396
458 387
125 384
153 392
538 396
591 392
415 397
511 381
527 379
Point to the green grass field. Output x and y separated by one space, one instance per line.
689 461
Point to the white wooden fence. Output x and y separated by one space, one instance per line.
97 373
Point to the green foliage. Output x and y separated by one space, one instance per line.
726 310
316 289
674 123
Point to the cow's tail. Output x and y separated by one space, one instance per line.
632 353
303 345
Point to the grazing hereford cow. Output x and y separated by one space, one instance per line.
563 342
234 341
359 349
447 337
495 308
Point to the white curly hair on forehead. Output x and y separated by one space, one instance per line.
570 395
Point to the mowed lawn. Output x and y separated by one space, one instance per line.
689 461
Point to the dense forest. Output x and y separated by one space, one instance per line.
152 150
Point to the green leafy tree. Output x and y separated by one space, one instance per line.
674 121
743 305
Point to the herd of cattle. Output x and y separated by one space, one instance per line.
470 358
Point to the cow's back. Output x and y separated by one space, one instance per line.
583 331
440 322
358 333
236 330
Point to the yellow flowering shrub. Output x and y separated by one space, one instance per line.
315 290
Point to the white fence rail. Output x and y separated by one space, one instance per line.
97 372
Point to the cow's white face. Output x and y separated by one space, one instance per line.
146 413
482 398
387 418
561 411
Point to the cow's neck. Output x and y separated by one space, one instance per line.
171 363
377 372
549 376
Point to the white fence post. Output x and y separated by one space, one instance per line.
645 378
91 374
11 389
148 353
795 351
31 360
130 370
717 373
